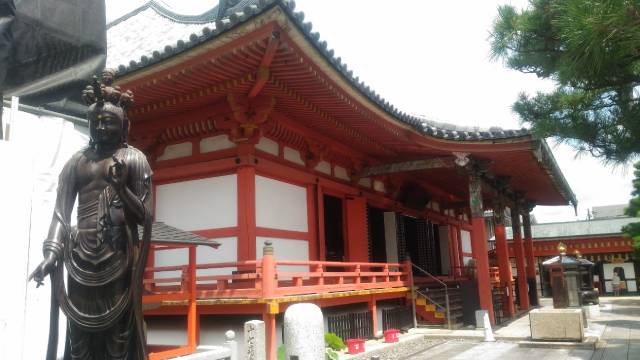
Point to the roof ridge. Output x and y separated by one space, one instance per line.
207 16
129 14
249 9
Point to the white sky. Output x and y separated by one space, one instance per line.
431 58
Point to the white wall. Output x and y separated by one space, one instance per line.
227 252
465 241
38 149
176 151
209 203
285 249
215 143
280 205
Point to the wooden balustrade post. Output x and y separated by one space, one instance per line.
320 279
357 271
386 272
269 281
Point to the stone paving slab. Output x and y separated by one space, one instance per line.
497 350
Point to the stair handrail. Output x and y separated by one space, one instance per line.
437 304
446 291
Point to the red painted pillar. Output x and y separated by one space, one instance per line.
246 182
479 245
192 315
357 242
531 262
270 335
269 284
374 315
518 250
504 265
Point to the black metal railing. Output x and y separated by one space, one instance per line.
352 325
397 318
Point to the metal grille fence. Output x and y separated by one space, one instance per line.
352 325
397 318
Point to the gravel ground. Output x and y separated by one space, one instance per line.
407 346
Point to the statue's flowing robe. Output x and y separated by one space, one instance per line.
104 266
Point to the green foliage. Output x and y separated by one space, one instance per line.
330 354
633 229
590 48
281 353
334 341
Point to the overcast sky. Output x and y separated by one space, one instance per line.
431 58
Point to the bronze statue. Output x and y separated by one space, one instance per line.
104 256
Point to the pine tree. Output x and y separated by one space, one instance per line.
591 49
633 230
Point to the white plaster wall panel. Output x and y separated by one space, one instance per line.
465 241
173 257
293 155
286 249
209 203
341 173
323 167
378 185
166 330
366 182
176 151
227 252
267 145
280 205
391 236
215 143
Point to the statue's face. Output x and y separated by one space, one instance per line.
106 125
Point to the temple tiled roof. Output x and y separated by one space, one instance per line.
586 228
153 33
162 233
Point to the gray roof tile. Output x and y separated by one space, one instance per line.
130 48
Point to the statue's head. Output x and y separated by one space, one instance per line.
108 123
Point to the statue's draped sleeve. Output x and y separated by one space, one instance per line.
138 183
65 199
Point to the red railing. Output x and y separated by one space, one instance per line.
268 278
259 279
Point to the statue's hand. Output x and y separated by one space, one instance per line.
118 173
44 269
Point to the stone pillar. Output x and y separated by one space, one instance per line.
518 250
479 244
304 332
531 261
502 251
254 340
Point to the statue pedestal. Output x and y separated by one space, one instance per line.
557 324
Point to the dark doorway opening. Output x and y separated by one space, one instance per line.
423 243
377 243
333 228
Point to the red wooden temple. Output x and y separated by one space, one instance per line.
317 188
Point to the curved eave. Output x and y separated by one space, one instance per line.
304 29
412 132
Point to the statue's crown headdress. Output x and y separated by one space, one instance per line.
103 91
